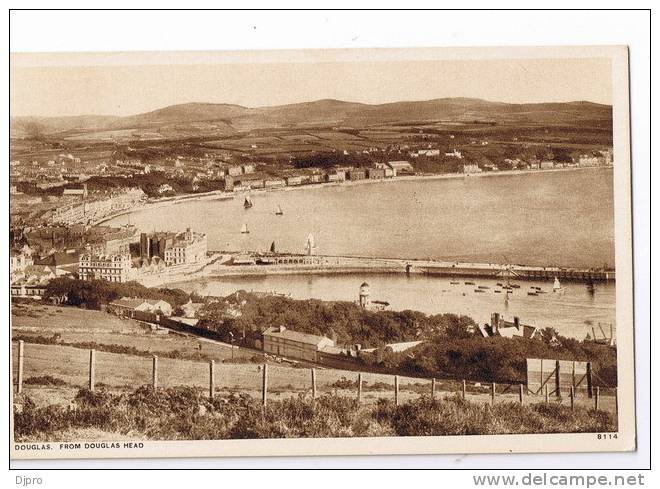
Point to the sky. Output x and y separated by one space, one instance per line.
126 84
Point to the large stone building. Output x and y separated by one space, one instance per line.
113 268
174 248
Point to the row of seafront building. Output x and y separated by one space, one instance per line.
250 181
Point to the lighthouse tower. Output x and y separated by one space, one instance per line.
364 295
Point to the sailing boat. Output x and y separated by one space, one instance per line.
272 247
557 288
279 211
310 247
248 202
244 229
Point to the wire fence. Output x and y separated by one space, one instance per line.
43 367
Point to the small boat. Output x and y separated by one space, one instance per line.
244 229
497 291
483 287
480 291
515 286
499 284
279 211
468 283
454 283
557 288
532 293
247 204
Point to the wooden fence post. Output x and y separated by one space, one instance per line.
19 374
313 383
520 393
590 385
464 388
557 379
396 390
433 388
596 397
547 394
154 373
572 394
211 379
492 394
359 388
616 401
92 368
264 385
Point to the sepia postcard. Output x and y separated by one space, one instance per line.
321 252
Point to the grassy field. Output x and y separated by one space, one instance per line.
79 326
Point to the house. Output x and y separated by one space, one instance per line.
454 154
508 329
126 306
19 261
293 344
191 309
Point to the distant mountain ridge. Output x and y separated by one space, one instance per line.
328 111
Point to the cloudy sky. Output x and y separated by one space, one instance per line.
131 83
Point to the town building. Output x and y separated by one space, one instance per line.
590 160
454 154
20 260
174 248
229 183
293 344
472 168
274 182
75 191
234 171
294 180
126 306
356 174
186 248
113 268
401 167
375 173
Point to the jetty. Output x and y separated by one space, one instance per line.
257 263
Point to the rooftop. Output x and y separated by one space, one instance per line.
281 332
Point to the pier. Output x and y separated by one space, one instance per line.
282 263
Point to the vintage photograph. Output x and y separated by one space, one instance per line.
320 252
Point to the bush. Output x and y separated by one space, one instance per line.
46 380
187 414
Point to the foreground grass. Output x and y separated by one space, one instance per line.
186 414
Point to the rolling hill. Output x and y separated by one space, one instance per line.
327 111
